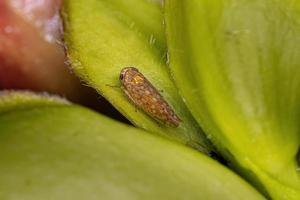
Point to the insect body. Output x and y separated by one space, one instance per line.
143 94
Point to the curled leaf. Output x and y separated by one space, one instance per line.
237 65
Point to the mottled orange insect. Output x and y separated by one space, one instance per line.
144 95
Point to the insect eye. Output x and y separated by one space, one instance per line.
121 77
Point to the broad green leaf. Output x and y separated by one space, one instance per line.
69 152
102 37
237 64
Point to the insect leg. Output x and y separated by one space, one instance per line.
114 86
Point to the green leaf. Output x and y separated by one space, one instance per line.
102 37
236 62
69 152
11 100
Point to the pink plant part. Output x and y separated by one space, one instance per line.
31 56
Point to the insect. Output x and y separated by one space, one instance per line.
144 95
